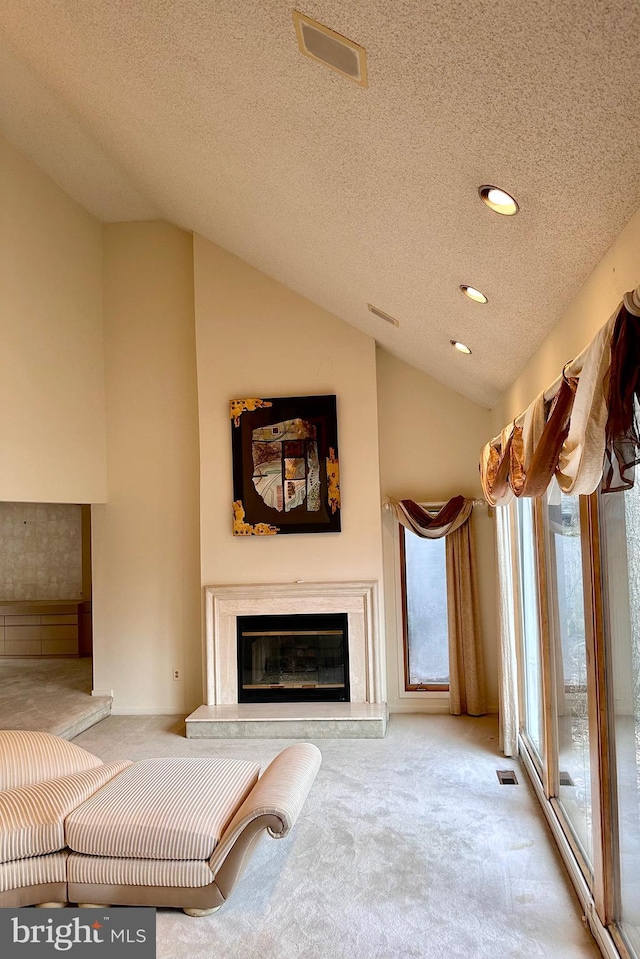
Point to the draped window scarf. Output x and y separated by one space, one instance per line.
584 429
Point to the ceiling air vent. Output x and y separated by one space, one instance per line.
383 316
328 47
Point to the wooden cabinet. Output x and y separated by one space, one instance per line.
39 629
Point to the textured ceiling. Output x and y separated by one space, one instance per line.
207 114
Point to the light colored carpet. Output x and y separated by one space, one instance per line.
53 695
407 847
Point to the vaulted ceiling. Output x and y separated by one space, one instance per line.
204 112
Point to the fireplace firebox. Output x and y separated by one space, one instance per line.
297 658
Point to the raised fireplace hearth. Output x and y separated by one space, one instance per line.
293 658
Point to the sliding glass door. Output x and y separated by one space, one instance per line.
620 533
571 773
576 587
531 709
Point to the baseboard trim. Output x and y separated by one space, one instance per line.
435 706
422 706
148 711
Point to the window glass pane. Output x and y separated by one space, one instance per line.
529 626
621 534
567 625
427 628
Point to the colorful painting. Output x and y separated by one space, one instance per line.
286 473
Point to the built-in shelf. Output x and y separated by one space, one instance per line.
39 628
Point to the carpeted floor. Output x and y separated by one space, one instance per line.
407 847
53 695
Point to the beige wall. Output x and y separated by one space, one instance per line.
255 337
617 272
430 439
52 433
146 577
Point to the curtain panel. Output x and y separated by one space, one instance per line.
584 425
467 692
466 658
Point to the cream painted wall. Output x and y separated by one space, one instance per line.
52 427
255 337
146 573
430 439
617 272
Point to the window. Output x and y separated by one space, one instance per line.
529 628
424 601
568 694
620 517
576 588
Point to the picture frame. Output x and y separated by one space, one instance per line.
286 471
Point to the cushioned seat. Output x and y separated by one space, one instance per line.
30 756
33 816
36 872
109 871
162 809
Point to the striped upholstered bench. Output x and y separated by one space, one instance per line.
166 832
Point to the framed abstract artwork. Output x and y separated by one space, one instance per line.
286 473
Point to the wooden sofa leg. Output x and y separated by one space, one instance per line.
197 913
51 905
93 905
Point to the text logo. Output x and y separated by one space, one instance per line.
81 933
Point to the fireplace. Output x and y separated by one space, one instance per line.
358 601
293 658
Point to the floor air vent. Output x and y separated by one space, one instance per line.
507 777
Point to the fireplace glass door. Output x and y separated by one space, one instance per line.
293 658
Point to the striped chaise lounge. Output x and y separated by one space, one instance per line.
160 832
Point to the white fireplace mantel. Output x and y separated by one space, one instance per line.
359 600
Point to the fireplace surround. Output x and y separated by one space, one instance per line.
357 601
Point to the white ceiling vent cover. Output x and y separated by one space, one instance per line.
328 47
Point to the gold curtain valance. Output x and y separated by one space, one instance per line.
584 424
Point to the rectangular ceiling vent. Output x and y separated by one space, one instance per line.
383 316
328 47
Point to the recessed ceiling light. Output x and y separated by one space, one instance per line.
473 294
460 346
498 200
